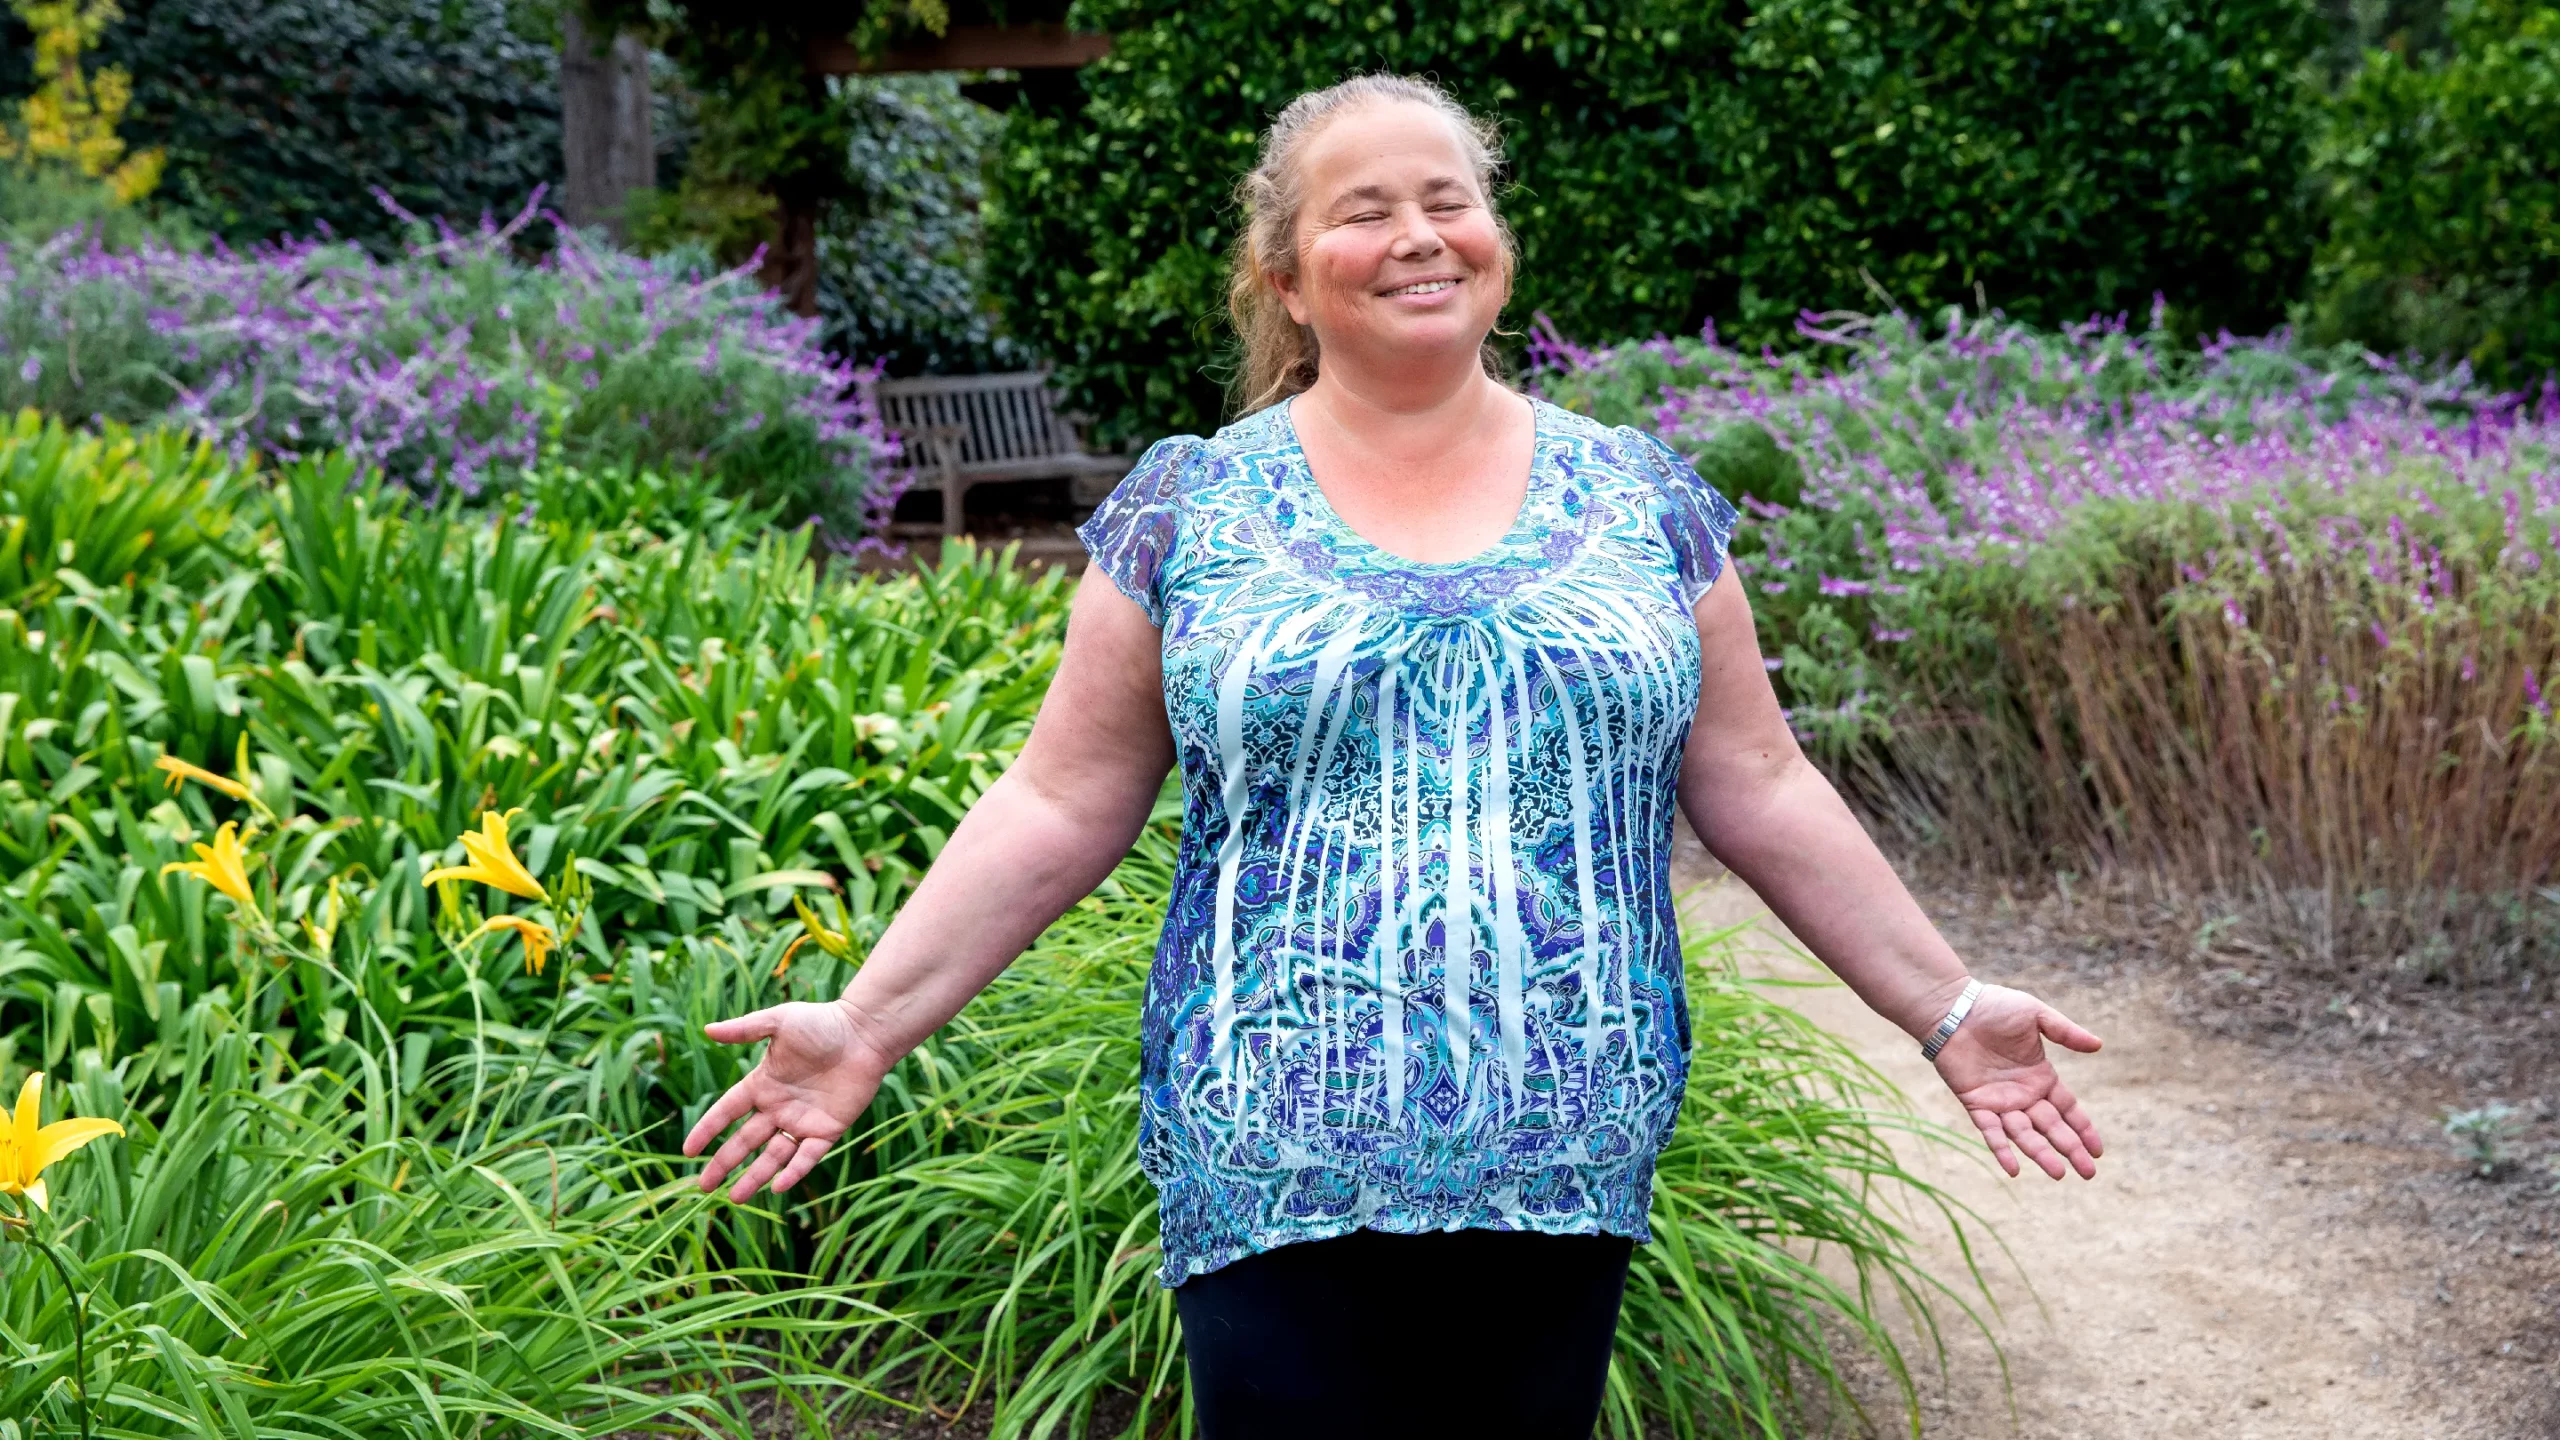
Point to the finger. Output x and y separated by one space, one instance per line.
2048 1122
723 1112
2059 1028
758 1129
2077 1117
738 1029
804 1160
2023 1131
1988 1122
775 1156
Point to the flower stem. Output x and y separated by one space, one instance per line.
79 1330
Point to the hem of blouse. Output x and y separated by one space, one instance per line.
1258 1241
1724 558
1093 556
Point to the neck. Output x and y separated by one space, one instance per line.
1423 412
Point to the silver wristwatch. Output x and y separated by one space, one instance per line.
1946 1030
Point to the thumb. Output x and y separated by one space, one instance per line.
2059 1028
738 1029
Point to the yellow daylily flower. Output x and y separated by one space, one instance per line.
180 772
222 865
539 942
25 1151
834 942
493 863
790 950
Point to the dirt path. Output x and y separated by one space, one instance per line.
2269 1250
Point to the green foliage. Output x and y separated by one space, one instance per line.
901 259
2442 179
279 1252
284 116
107 504
770 140
2485 1135
1674 163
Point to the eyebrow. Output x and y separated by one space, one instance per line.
1432 186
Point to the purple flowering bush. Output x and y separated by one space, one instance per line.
2281 621
458 367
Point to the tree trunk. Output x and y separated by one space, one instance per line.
606 148
791 260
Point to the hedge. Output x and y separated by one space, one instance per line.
2441 175
1675 163
283 116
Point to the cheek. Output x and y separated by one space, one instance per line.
1476 242
1339 270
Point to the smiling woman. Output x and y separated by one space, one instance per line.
1438 663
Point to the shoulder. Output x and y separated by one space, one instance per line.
1625 450
1180 463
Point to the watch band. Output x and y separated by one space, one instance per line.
1946 1030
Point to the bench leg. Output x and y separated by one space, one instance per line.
954 515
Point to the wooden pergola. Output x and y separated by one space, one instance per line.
1034 45
605 119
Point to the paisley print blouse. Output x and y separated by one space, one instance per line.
1421 969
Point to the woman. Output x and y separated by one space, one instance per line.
1435 659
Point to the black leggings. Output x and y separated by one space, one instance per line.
1491 1333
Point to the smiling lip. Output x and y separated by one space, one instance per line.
1406 288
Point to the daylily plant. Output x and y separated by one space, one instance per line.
493 861
539 942
26 1150
224 865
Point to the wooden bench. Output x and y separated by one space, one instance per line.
964 429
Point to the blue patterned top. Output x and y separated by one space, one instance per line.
1421 969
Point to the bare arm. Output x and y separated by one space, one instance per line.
1041 838
1774 820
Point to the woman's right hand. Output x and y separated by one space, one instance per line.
814 1081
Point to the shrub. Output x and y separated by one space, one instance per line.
1674 162
282 117
2276 623
454 368
901 264
2442 177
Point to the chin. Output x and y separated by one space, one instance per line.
1432 333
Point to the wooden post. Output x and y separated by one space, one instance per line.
607 151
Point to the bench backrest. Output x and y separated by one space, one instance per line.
1008 417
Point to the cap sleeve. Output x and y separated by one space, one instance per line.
1131 534
1696 518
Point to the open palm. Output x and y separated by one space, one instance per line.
1995 1063
809 1088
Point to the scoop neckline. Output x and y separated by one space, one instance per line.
1331 518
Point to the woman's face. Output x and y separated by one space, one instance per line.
1398 256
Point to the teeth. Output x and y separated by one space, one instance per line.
1427 287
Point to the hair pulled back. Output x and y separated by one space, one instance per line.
1280 356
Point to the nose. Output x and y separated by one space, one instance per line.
1415 235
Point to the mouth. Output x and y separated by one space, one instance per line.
1432 286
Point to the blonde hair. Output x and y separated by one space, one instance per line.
1280 355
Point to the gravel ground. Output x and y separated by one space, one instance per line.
2280 1241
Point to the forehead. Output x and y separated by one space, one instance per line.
1392 143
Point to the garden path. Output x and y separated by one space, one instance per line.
2275 1248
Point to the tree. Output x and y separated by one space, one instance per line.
772 144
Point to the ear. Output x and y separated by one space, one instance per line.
1292 296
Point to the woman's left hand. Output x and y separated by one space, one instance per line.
1995 1063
